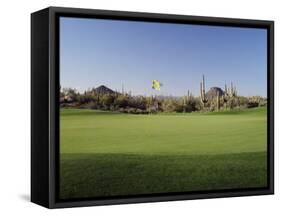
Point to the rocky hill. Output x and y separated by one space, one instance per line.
103 90
212 93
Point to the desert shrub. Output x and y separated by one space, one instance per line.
131 110
168 105
90 105
112 108
151 110
263 103
107 100
84 98
252 104
122 110
243 101
70 93
128 103
137 102
178 107
192 105
213 106
256 101
121 101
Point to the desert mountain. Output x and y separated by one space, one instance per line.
212 93
104 90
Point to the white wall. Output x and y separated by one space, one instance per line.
15 117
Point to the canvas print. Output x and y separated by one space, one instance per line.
158 108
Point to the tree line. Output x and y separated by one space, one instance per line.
127 103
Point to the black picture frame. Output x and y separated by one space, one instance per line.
45 104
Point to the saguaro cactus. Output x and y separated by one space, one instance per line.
123 92
188 95
203 97
225 97
186 100
233 91
229 94
218 101
184 104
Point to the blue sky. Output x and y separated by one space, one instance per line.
97 52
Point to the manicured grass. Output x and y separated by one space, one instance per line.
88 175
105 154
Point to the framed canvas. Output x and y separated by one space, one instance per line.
139 107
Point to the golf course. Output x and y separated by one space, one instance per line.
105 153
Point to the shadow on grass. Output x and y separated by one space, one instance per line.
102 175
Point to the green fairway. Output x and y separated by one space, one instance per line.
106 153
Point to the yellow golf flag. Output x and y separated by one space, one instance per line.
156 84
